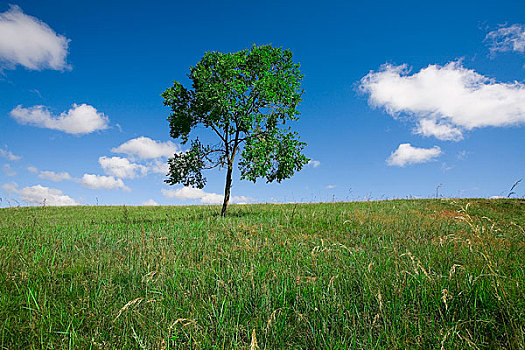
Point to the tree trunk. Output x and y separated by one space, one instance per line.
227 190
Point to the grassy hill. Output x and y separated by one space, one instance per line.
391 274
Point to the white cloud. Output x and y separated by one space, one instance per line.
90 181
80 119
122 167
8 170
330 187
6 154
146 148
96 182
446 100
406 154
240 200
504 39
51 175
150 202
190 193
160 167
32 169
440 130
314 163
186 193
29 42
10 188
39 195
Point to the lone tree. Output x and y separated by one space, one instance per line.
245 98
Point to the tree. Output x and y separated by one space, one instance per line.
245 98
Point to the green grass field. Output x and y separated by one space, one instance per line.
376 275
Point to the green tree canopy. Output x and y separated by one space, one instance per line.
246 98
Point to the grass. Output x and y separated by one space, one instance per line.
392 274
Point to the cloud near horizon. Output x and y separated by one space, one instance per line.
150 202
406 154
191 193
96 182
80 119
445 101
29 42
90 181
40 195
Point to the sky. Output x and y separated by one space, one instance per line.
404 99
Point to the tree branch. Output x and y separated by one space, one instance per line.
217 132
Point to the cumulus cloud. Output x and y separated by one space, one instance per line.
32 169
440 130
6 154
504 39
40 195
190 193
406 154
96 182
158 166
150 202
445 101
29 42
146 148
90 181
80 119
314 163
330 186
122 167
51 175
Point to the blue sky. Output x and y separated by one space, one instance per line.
399 97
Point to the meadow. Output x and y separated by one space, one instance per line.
427 274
